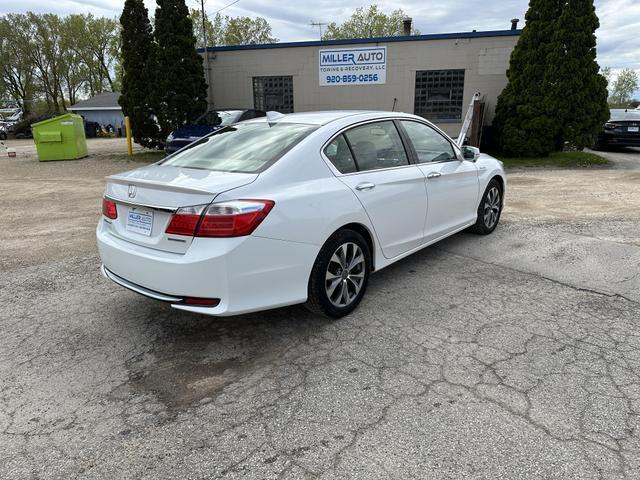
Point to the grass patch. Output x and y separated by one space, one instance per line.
556 159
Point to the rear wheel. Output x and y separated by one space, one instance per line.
340 275
489 209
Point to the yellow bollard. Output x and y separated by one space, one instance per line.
127 128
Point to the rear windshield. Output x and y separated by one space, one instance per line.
245 147
625 115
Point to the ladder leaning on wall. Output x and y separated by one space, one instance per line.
467 120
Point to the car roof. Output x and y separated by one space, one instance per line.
328 116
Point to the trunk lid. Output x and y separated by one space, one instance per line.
147 197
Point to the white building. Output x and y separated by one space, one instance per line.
434 76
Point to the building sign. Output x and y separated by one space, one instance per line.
353 66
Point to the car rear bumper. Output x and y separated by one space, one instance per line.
246 273
628 140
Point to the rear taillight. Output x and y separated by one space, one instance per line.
109 209
235 218
185 220
610 126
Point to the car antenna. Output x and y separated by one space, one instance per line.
273 116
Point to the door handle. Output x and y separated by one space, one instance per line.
434 175
365 186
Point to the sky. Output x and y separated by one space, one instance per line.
618 35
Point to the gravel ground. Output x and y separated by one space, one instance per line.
508 356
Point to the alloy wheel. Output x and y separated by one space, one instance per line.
345 274
491 207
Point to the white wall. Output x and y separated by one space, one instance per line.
485 61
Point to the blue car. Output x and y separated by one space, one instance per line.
207 123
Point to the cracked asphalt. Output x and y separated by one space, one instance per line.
515 355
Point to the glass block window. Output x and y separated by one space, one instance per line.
439 94
273 93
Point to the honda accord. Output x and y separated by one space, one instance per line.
288 209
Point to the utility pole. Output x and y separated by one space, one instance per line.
318 24
207 74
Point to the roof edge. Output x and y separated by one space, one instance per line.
359 41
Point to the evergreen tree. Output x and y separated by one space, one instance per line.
580 91
526 120
181 91
138 73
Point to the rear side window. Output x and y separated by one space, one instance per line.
244 147
340 156
377 145
429 145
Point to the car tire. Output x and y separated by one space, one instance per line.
340 274
490 209
3 136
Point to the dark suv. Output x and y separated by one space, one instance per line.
207 123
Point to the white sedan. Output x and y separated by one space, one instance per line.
298 208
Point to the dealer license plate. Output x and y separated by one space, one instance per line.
140 221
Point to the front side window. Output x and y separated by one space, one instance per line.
245 147
429 145
377 145
438 94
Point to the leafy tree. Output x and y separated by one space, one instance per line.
366 23
231 30
526 118
213 29
45 50
17 71
246 31
138 72
180 88
56 59
623 87
580 93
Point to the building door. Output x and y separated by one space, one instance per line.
273 93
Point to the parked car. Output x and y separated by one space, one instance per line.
22 129
622 130
207 123
299 208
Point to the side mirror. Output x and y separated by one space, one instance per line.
470 153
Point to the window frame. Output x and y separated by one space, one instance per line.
426 114
408 151
456 150
264 107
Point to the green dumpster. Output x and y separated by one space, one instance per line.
60 138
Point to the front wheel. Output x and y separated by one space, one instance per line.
340 274
489 209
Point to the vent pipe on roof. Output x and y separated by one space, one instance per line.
514 23
406 26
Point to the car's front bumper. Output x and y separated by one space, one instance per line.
246 273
